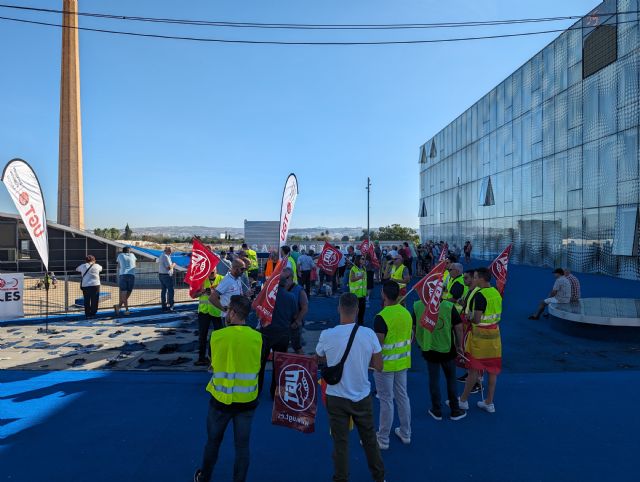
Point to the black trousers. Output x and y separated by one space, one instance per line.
276 342
205 320
91 295
305 281
449 369
362 306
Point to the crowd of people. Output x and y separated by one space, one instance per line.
466 334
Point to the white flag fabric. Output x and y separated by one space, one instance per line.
288 201
24 188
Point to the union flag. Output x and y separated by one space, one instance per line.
265 302
499 268
366 248
329 259
202 263
429 290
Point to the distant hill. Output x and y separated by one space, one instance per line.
178 231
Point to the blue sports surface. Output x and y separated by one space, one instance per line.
564 412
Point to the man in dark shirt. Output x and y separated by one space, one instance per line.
276 336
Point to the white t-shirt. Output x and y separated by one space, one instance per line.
562 286
126 263
165 264
92 278
228 287
354 384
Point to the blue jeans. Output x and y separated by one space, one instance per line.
166 295
217 422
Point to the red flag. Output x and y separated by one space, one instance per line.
295 403
367 248
429 290
265 302
499 267
202 263
444 253
329 259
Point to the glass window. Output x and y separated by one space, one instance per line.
548 187
625 237
536 178
608 171
560 182
628 155
548 77
526 87
599 49
574 44
575 74
536 124
574 169
590 178
526 138
628 81
517 142
561 74
536 72
508 92
590 109
574 106
500 105
548 117
607 102
561 122
508 185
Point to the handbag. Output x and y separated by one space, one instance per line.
332 375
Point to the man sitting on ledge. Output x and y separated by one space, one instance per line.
561 293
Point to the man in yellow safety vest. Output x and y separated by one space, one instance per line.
399 273
208 314
252 270
235 363
358 285
393 326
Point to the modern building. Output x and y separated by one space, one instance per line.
548 159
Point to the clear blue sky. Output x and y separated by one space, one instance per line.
180 133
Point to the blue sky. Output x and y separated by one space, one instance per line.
182 133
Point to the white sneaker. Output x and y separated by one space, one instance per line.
489 407
405 440
381 445
461 404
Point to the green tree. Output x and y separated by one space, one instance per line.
344 238
114 233
127 232
395 232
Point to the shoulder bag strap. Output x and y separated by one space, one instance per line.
351 337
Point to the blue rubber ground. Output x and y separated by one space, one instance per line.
565 412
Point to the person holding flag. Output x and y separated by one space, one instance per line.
467 314
455 289
484 346
208 314
440 349
230 285
398 272
358 285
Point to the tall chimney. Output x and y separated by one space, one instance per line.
70 190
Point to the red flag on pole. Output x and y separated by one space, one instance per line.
265 302
499 267
444 253
329 259
366 248
429 290
295 402
202 263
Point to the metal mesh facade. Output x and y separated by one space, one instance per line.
557 145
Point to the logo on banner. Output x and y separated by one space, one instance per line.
23 198
272 291
330 258
434 285
299 387
200 265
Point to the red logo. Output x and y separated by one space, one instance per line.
3 283
23 198
289 207
434 285
299 387
330 258
200 265
272 291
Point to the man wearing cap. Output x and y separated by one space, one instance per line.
561 293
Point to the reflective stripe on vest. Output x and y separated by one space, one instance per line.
359 287
396 275
204 305
468 311
235 358
396 349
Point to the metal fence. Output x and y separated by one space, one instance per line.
65 295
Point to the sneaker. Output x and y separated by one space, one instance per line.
116 309
435 415
170 309
489 407
405 440
197 476
127 312
463 378
463 405
381 444
476 388
457 414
